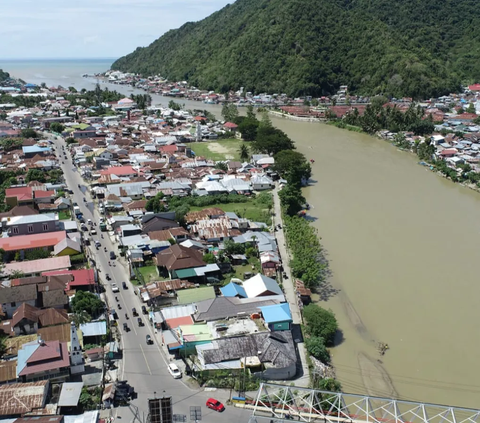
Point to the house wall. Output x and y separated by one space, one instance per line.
35 228
61 374
284 373
10 308
26 328
67 252
279 326
259 187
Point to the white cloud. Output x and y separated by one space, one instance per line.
92 28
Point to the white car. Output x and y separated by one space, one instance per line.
174 371
115 288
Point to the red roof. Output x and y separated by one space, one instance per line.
44 194
474 87
230 125
466 116
52 355
23 193
82 277
448 151
25 242
169 148
119 171
199 118
179 321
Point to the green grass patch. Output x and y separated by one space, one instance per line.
253 210
149 273
64 215
218 149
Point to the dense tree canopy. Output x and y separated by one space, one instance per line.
292 166
88 302
320 323
394 47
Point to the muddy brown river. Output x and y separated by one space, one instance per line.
404 247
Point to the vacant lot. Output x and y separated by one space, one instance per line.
218 150
253 210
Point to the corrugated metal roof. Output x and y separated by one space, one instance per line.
94 328
70 394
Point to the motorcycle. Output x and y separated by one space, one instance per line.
116 299
101 236
119 306
105 249
126 316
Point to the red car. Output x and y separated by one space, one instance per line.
215 405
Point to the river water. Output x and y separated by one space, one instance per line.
403 245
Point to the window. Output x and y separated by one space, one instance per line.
13 304
30 229
15 230
45 226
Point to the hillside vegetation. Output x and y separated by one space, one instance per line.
415 48
4 75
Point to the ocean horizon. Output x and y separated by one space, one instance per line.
56 71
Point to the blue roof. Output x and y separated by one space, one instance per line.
232 290
35 149
277 313
94 328
24 354
30 85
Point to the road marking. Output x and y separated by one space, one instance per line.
145 357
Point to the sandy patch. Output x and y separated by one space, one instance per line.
215 147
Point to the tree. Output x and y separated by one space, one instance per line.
17 274
72 90
229 112
29 133
35 175
293 166
209 258
70 140
291 199
88 302
155 204
251 113
244 153
316 347
221 166
271 140
248 129
37 254
471 108
231 247
57 127
266 121
320 323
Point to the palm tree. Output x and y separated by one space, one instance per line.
80 318
244 153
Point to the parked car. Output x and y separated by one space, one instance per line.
140 322
112 255
125 327
174 371
215 405
144 310
149 340
134 311
124 285
115 288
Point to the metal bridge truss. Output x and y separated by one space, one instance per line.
279 403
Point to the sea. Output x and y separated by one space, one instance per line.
54 72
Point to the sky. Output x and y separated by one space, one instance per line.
91 28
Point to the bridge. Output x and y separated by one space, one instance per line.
279 403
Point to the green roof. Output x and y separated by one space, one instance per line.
81 126
185 273
188 296
196 333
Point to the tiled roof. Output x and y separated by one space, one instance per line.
43 194
38 266
25 311
51 355
178 257
26 242
52 316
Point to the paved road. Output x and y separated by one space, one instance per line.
290 293
144 366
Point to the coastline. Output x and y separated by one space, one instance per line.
291 117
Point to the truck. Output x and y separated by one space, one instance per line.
103 226
77 212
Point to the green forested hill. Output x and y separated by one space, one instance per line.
416 48
4 75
